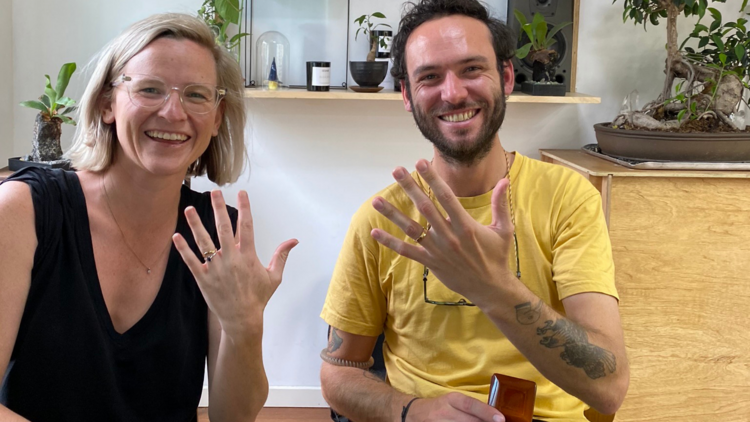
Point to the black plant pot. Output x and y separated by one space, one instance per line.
543 89
368 74
17 163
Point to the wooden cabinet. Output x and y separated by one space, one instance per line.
681 245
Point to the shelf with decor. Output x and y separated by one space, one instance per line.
391 95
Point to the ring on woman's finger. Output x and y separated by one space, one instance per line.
209 254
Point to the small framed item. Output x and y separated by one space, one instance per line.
514 397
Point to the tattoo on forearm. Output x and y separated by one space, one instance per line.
577 351
334 341
526 314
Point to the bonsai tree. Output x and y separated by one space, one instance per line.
367 27
218 15
54 108
538 49
711 80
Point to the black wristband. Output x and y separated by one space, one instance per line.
406 409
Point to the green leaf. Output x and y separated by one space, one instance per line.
357 33
529 31
625 14
540 27
723 59
66 119
739 51
554 31
718 42
654 19
360 19
700 28
681 114
69 110
63 78
45 100
703 42
378 15
716 14
744 5
65 102
520 17
522 52
49 92
238 37
35 105
229 10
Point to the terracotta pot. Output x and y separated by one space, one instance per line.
669 146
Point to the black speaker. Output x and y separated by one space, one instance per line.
554 12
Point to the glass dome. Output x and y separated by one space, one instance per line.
272 61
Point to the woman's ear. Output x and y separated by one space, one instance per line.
105 106
218 119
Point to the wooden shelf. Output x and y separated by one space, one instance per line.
390 95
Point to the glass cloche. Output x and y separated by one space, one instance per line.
272 61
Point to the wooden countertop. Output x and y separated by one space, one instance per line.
4 173
587 163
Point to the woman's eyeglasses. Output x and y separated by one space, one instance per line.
151 92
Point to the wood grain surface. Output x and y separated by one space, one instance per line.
682 257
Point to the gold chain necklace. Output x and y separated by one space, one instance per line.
124 240
510 203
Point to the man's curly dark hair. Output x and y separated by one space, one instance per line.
422 11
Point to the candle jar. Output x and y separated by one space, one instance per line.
318 76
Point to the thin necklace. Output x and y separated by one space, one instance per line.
124 240
510 203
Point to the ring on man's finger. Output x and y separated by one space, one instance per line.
208 255
424 233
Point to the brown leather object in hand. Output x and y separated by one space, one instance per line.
513 397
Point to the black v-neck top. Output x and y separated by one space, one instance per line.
68 362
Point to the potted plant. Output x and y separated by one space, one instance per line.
369 74
697 115
54 109
218 15
540 52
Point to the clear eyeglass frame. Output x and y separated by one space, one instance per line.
202 104
462 301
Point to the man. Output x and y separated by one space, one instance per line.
481 261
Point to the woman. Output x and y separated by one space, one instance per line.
118 282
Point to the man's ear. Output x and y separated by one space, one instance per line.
405 95
509 77
105 106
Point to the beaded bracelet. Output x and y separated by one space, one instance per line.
344 362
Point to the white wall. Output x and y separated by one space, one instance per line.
6 82
314 162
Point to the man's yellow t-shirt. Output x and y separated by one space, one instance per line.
431 350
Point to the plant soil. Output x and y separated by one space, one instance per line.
693 126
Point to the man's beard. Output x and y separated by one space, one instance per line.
464 152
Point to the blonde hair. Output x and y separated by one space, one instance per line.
94 142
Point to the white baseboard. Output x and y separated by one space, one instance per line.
286 397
